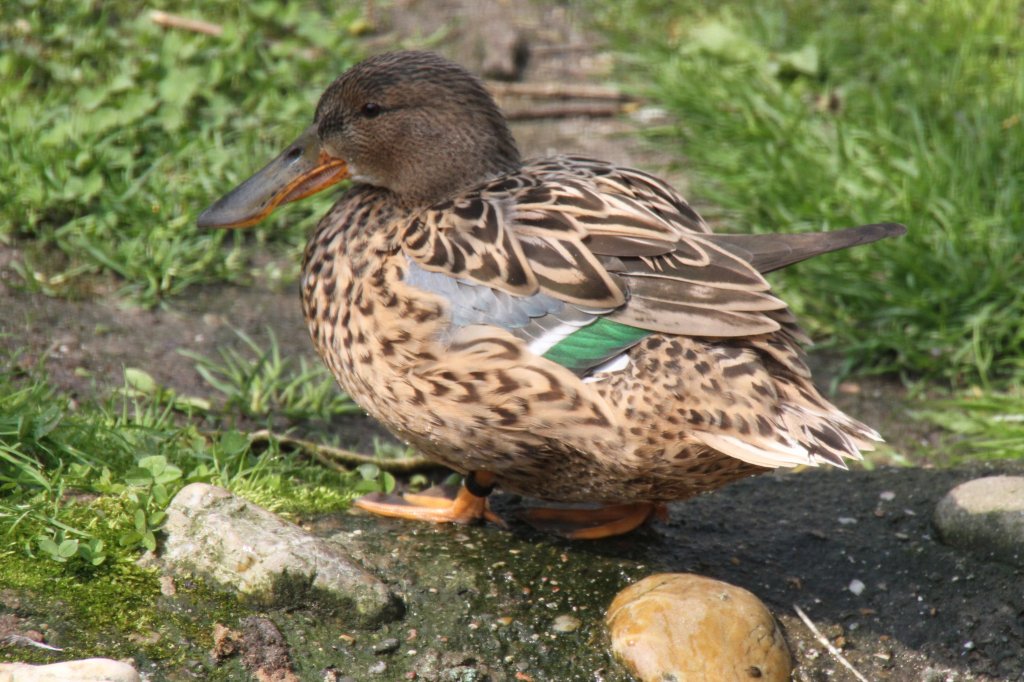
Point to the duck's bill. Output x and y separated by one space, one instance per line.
303 168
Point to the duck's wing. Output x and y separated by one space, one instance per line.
605 255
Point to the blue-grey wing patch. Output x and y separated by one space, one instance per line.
541 321
473 303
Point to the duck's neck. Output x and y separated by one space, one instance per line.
423 189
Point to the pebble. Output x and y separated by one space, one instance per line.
386 646
565 623
687 627
378 668
82 670
239 544
986 516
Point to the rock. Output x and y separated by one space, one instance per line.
237 543
985 515
688 628
82 670
386 646
565 623
265 652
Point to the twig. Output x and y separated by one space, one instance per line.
561 48
564 111
339 458
553 90
168 20
28 641
827 644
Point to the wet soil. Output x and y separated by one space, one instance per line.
480 601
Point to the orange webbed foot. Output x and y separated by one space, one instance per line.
436 504
594 523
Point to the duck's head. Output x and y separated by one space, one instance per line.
410 122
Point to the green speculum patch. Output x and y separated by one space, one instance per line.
594 344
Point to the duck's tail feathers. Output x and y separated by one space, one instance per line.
768 252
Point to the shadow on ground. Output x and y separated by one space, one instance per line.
926 612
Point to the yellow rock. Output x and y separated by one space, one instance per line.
688 628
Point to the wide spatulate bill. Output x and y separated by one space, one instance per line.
302 169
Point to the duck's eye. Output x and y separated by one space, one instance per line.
371 110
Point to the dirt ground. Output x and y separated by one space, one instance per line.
927 612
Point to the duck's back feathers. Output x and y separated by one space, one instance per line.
548 250
600 238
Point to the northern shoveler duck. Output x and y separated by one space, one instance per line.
564 328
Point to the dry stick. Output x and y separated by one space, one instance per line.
552 90
827 644
169 20
28 641
561 48
566 111
337 457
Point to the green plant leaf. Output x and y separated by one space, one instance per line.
140 521
140 380
49 547
139 477
67 549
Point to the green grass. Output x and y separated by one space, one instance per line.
987 425
87 485
807 115
116 132
256 382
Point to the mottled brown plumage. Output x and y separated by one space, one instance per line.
569 329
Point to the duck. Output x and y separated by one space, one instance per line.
562 328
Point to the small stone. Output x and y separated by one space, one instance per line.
650 116
226 642
167 587
82 670
887 496
378 668
242 545
849 388
565 623
386 646
986 516
856 586
687 627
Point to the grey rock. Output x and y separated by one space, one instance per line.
242 545
82 670
986 516
386 646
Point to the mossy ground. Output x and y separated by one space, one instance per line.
116 611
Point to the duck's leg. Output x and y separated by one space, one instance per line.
469 504
592 524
